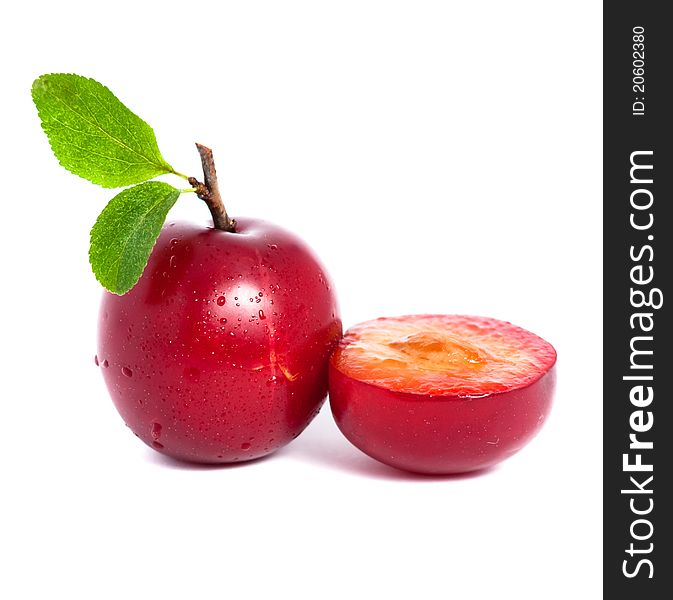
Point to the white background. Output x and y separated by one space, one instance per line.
439 157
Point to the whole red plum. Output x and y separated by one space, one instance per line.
219 353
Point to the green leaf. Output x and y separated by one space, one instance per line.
125 233
93 134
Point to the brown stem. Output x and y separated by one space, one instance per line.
209 191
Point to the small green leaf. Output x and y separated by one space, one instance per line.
125 233
93 134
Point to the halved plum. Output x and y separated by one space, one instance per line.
441 393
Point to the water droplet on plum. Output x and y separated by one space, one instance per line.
126 371
192 373
245 446
261 314
95 359
221 300
155 431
